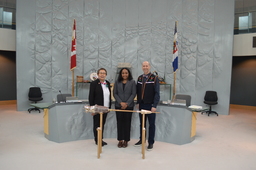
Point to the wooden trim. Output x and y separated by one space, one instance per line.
46 121
193 125
8 102
245 107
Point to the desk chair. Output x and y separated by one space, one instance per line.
34 95
210 99
62 97
184 97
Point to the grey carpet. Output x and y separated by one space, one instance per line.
224 142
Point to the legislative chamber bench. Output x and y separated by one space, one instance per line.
64 122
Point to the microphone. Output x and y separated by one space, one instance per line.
62 97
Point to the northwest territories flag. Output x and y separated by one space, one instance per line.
73 48
175 50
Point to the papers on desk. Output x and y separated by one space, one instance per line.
178 102
195 107
164 102
76 101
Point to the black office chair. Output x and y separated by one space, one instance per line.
34 95
184 97
210 98
62 97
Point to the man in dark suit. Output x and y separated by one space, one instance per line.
148 96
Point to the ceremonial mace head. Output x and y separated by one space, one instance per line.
96 109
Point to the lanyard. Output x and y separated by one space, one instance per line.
144 86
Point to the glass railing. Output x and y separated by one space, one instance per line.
245 23
7 18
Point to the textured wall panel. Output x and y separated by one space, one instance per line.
25 51
105 36
91 37
206 56
115 31
59 47
144 40
189 45
118 34
132 34
76 11
43 39
158 36
174 13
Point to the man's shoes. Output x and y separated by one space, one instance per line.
120 144
150 147
125 144
138 143
103 143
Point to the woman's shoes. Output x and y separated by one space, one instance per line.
120 144
125 144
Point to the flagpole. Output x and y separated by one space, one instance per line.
174 85
73 83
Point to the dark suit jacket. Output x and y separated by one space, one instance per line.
125 95
96 93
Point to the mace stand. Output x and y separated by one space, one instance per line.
143 137
99 129
101 110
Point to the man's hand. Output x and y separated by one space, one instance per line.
153 109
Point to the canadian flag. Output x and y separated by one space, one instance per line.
73 48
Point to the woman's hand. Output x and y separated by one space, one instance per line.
137 106
123 105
